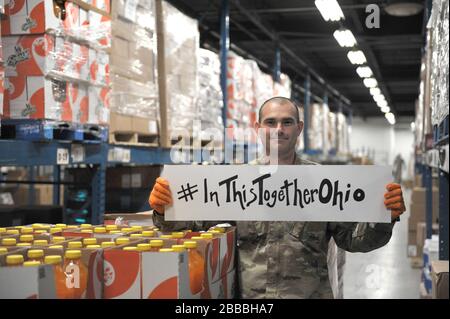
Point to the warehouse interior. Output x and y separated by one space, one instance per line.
96 96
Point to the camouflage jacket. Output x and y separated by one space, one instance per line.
289 259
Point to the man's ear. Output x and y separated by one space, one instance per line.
300 126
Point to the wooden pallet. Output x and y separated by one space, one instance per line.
417 262
134 138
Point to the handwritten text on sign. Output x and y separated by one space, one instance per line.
278 193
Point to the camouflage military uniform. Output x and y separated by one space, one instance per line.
289 259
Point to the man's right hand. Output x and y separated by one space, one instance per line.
160 195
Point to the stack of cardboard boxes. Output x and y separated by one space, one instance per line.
240 92
417 220
134 100
178 45
210 97
2 68
19 194
56 60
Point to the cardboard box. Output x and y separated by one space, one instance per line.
37 17
38 282
439 275
140 12
36 97
133 53
98 68
132 177
98 105
34 283
44 54
2 81
412 249
132 124
135 98
103 5
418 196
99 30
418 180
44 194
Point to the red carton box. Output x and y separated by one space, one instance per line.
44 54
36 97
38 16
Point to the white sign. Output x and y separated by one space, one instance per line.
62 156
278 193
78 153
118 154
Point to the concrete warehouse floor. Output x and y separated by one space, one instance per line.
384 273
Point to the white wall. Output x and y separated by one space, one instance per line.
382 140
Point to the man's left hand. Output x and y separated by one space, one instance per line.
393 200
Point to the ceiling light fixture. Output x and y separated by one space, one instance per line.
356 57
390 118
345 38
385 109
370 82
382 103
375 91
330 10
364 71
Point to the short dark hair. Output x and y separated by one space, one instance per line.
280 100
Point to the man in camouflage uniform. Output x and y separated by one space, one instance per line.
287 259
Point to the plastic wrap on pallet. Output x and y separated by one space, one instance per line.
56 57
48 16
343 138
181 54
282 88
37 97
332 130
130 97
2 87
440 63
104 5
263 84
315 129
419 129
210 98
240 87
133 52
138 12
1 47
325 128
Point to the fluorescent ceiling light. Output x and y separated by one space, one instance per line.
382 103
356 57
330 10
379 97
364 71
370 82
385 109
345 38
390 118
375 91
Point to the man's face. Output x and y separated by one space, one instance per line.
281 127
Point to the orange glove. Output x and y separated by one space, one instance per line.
160 195
393 200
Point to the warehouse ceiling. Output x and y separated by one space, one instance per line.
393 51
